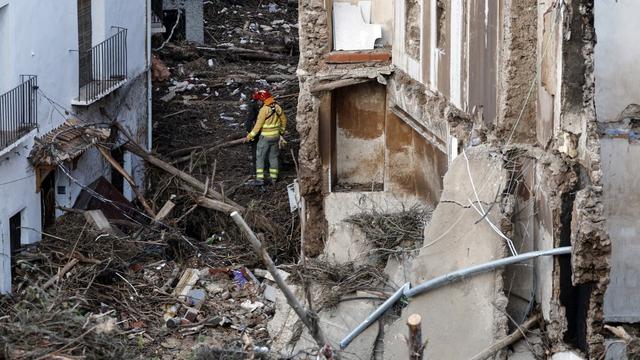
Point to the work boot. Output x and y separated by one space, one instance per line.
255 182
268 181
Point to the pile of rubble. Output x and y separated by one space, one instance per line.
113 296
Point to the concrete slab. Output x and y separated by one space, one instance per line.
337 323
470 309
616 350
566 355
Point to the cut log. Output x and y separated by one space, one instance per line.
416 346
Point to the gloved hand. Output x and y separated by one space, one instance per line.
282 142
247 138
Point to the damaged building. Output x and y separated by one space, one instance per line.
69 70
517 122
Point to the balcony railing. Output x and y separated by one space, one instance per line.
18 111
103 68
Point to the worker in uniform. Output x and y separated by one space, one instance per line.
270 125
253 108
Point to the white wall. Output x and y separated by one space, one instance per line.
5 49
17 192
616 56
43 37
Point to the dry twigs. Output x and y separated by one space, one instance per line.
393 232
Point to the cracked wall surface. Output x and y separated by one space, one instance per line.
529 91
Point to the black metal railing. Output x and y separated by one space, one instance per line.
18 110
103 67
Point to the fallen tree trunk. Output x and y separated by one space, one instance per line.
229 206
308 317
215 205
195 183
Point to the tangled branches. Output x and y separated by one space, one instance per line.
393 232
338 280
42 326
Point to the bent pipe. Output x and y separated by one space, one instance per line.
446 280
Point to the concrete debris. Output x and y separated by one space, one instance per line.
463 303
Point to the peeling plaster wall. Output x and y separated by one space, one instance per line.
360 118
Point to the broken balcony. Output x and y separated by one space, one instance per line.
18 111
103 69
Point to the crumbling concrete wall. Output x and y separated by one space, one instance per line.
454 240
516 119
616 95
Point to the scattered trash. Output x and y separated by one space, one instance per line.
239 278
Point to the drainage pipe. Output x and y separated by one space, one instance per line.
374 316
445 280
482 268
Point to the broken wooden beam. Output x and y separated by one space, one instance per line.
60 273
509 339
215 205
328 86
165 210
129 179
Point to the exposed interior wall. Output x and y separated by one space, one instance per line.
381 13
360 116
616 87
454 240
404 54
622 211
413 165
616 57
516 115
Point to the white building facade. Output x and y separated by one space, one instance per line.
86 60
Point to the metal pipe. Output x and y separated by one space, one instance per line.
374 316
478 269
445 280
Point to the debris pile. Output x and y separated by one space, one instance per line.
393 233
114 296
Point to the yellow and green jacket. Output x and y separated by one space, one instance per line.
271 121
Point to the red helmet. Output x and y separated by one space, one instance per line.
261 95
